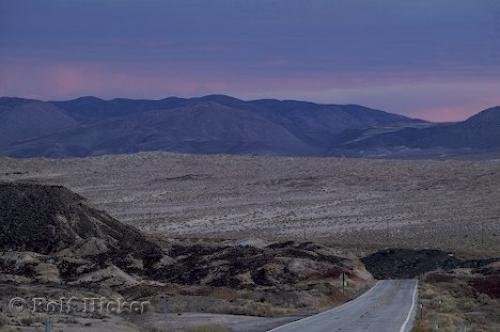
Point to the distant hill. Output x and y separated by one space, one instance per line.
89 126
22 119
479 133
212 124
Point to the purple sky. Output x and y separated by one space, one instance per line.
433 59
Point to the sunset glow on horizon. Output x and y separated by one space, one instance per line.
438 61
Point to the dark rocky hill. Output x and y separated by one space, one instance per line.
408 263
48 219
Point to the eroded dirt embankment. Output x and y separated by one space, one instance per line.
407 263
54 245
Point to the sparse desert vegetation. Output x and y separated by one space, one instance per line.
357 203
461 300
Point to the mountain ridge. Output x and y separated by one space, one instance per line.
89 125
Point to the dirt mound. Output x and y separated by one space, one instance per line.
407 263
48 219
287 263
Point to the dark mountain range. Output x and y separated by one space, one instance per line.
479 133
21 119
221 124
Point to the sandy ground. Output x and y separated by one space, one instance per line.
360 203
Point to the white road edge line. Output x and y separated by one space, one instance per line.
414 301
327 311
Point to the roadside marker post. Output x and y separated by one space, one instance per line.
343 282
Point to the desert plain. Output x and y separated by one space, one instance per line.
355 203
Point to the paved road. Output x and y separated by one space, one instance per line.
387 307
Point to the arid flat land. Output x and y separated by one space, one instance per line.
451 204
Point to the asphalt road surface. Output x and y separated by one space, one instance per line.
387 307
